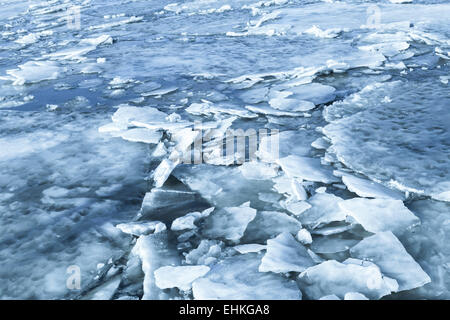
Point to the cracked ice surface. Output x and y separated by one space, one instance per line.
112 158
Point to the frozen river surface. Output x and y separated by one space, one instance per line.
240 149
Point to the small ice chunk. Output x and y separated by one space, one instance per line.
237 278
187 222
377 215
304 236
179 277
387 252
306 168
319 33
248 248
332 277
369 189
229 223
355 296
207 252
141 228
296 207
285 254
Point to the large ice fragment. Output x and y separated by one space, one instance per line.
285 254
306 168
324 210
229 223
376 215
387 252
237 278
332 277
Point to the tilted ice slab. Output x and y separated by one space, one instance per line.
325 209
285 254
377 215
229 223
238 278
369 189
154 252
387 252
332 277
306 168
178 277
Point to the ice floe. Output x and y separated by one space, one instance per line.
387 252
306 168
229 223
238 278
334 278
377 215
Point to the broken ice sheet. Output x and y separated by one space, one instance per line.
238 278
324 210
268 224
334 278
387 252
229 223
285 254
306 168
376 215
369 189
